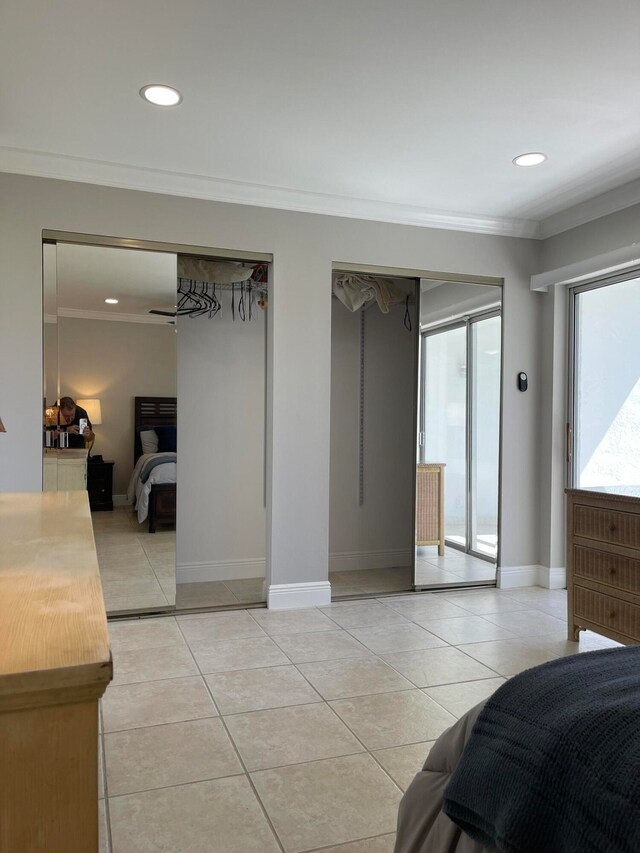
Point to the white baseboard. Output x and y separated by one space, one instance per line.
121 500
286 596
510 577
349 561
220 570
554 578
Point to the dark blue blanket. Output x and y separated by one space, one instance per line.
553 762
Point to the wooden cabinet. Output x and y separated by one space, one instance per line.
603 564
65 470
430 505
100 485
54 666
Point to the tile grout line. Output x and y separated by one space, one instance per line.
236 750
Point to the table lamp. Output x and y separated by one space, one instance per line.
94 413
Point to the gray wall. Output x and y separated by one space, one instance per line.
116 362
384 522
221 516
304 246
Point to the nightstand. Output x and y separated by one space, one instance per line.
100 485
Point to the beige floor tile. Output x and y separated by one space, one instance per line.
329 645
293 621
100 771
393 719
426 606
488 601
229 655
428 667
164 570
259 689
429 575
247 590
529 623
206 594
466 629
152 703
172 754
134 585
396 638
152 664
144 634
328 802
380 844
508 657
362 614
403 762
204 629
290 735
458 698
125 571
339 679
103 832
135 603
223 814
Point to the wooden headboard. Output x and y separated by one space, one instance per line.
152 411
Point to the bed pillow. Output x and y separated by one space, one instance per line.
166 439
149 441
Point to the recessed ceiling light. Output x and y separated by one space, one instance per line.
534 158
160 95
111 301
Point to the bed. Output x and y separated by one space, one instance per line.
549 764
153 483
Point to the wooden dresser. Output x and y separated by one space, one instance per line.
54 666
603 564
430 504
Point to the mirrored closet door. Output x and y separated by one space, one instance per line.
457 482
161 359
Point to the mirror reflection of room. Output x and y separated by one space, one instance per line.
110 351
457 481
373 402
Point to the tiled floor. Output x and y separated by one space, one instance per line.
138 571
297 731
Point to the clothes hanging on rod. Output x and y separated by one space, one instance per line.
200 281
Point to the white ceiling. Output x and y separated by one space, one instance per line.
87 275
405 110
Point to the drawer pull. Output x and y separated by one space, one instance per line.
612 571
612 528
612 614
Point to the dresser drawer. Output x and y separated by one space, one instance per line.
621 616
605 525
603 567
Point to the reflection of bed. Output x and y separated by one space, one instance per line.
160 489
549 764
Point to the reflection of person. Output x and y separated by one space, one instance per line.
69 419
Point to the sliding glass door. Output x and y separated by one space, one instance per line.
605 389
460 426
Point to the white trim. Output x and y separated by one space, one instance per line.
121 500
63 167
287 596
593 208
81 314
349 561
600 265
510 577
554 578
219 570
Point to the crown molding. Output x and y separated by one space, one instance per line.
84 170
80 314
604 204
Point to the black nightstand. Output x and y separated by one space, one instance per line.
100 485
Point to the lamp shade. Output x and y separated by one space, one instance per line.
2 429
93 410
